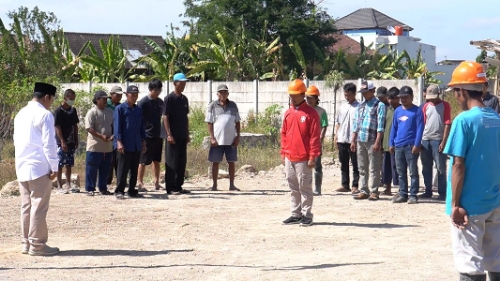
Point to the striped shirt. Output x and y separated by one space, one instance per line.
369 119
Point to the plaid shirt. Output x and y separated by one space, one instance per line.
369 119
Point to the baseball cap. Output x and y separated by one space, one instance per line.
99 94
381 91
405 91
132 89
433 92
222 87
180 77
116 90
366 86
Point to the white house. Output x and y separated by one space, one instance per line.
378 28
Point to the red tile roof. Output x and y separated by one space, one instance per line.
346 43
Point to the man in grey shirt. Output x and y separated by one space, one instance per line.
223 121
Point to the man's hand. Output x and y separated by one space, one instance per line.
459 217
236 141
170 140
353 146
213 142
64 146
335 140
415 149
392 150
103 137
144 148
119 147
311 164
441 146
376 146
52 175
111 138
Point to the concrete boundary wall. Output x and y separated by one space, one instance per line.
256 96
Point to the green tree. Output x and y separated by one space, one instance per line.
110 65
299 21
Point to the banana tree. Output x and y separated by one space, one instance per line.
110 66
219 58
415 68
299 55
263 56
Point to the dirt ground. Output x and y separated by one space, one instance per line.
232 236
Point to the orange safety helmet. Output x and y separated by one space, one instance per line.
468 73
296 87
312 91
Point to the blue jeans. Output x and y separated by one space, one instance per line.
97 162
405 160
430 154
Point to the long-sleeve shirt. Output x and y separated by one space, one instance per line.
128 126
407 127
300 134
369 119
35 142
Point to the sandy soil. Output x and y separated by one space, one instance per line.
232 236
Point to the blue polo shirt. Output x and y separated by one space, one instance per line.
128 126
475 136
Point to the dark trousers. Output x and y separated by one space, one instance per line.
175 164
97 162
128 162
112 167
389 171
345 154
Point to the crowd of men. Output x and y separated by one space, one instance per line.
382 137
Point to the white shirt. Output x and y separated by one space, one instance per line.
35 142
345 118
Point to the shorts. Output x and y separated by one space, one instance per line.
153 152
216 153
66 159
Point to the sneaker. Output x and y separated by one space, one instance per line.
399 199
105 192
292 220
44 251
413 200
90 193
184 191
306 221
373 197
120 196
316 193
425 195
343 189
361 196
62 191
26 248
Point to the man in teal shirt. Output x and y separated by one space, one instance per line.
473 195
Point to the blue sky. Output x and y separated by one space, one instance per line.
444 23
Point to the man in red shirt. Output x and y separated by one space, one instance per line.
300 145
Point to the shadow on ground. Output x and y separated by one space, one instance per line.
264 268
133 253
367 225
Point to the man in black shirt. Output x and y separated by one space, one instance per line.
152 110
176 124
66 122
490 100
